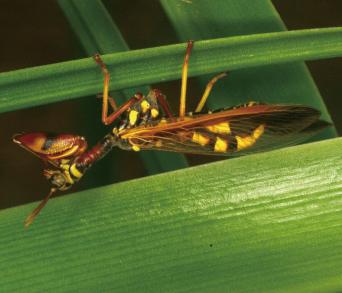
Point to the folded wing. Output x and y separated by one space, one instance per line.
230 132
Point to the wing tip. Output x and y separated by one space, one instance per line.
316 126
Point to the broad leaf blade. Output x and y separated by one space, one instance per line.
262 223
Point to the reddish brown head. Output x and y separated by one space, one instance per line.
60 150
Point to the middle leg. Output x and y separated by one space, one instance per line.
184 80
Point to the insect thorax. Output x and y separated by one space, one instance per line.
144 111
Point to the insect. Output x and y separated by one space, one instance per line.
147 122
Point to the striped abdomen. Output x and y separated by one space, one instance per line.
221 137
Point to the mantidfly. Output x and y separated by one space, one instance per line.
147 122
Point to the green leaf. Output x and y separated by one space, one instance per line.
288 83
98 34
66 80
262 223
93 26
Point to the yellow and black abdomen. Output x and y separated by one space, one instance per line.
224 137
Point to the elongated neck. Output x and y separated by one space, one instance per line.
97 152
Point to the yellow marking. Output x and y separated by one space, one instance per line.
162 121
135 148
186 122
74 171
145 106
68 177
221 145
251 103
159 143
200 139
244 142
64 166
133 116
221 128
248 141
258 131
154 113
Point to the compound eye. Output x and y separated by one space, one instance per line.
52 146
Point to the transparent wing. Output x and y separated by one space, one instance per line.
231 132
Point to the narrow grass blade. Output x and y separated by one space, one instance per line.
66 80
93 26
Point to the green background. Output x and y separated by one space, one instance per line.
26 43
262 223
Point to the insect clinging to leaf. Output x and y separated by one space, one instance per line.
148 123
